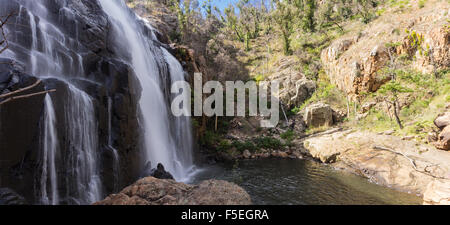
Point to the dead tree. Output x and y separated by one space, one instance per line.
3 37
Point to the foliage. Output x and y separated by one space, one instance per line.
268 143
288 136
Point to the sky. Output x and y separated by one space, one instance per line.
221 4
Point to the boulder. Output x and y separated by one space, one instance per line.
339 116
442 120
158 172
303 90
161 173
437 193
246 154
443 141
319 114
153 191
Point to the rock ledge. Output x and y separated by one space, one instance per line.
153 191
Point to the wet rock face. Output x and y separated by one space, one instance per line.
80 39
10 197
153 191
19 127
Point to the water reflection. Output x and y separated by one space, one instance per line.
300 182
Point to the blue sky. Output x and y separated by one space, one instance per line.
221 4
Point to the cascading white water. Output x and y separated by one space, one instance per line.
50 148
182 127
45 39
160 145
82 132
83 185
116 159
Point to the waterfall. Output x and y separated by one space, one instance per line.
55 55
116 162
50 147
182 125
159 143
82 133
56 41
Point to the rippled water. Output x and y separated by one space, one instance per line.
300 182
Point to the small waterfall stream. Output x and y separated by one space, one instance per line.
182 127
84 178
116 159
50 148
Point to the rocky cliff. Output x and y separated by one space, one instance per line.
353 62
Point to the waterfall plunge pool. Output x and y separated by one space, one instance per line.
303 182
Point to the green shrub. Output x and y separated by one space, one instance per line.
421 3
288 135
242 146
224 145
268 143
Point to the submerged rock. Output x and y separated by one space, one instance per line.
153 191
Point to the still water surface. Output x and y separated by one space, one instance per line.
300 182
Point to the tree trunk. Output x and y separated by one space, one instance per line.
397 118
348 106
216 127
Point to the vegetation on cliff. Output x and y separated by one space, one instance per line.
304 40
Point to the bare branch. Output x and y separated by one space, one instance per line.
26 96
21 90
413 162
4 42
